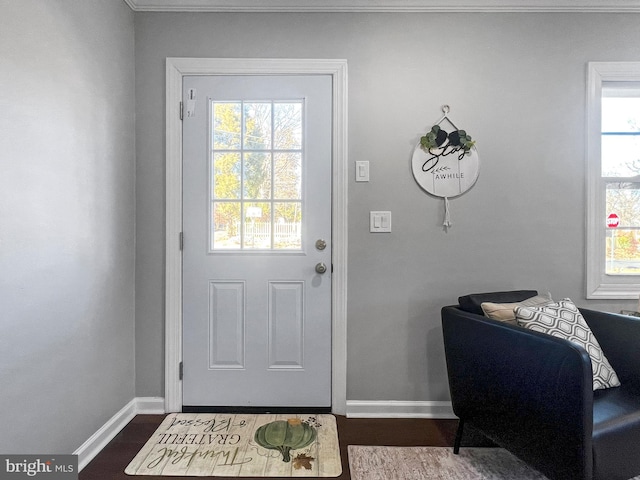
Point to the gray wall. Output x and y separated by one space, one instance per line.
67 215
515 82
70 213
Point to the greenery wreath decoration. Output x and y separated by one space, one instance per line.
438 141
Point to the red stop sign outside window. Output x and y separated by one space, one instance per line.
613 220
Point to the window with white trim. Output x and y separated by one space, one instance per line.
613 189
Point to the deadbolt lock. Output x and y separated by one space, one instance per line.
321 244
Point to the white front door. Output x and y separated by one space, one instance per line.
257 233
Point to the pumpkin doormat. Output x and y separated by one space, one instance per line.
227 445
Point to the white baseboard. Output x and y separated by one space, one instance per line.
150 406
94 445
398 409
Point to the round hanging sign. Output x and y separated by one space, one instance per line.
447 170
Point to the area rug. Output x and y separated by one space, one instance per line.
437 463
225 445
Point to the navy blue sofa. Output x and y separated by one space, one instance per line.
532 393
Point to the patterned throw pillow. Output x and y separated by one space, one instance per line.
504 312
564 320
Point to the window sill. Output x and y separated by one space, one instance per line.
615 291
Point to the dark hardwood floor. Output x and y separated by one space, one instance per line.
111 462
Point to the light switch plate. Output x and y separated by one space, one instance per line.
362 171
379 222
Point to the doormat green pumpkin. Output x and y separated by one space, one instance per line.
243 445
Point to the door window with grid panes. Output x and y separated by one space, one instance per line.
256 187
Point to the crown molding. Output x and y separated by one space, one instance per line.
489 6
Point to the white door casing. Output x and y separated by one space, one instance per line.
256 197
176 68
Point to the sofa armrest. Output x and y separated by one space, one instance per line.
493 366
529 392
619 337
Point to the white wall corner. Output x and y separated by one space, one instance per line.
137 406
399 409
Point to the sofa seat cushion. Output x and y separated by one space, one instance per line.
472 303
616 433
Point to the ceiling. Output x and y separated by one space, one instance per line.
603 6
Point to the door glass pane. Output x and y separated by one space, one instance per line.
287 126
227 127
257 226
256 181
226 225
226 175
287 172
623 240
257 176
287 225
257 126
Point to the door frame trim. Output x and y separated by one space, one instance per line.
176 68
